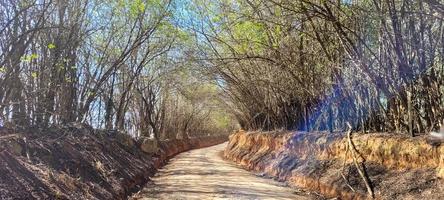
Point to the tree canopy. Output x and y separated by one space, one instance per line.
171 68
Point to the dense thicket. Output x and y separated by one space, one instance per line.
317 64
112 64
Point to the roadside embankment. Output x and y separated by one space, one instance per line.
398 167
75 162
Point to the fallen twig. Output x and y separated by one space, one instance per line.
359 166
343 167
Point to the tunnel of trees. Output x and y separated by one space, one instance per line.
167 67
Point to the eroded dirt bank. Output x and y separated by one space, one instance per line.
398 167
203 174
80 163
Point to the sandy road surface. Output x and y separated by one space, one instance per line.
203 174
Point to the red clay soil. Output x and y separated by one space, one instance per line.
398 167
75 162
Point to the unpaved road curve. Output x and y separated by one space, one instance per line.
203 174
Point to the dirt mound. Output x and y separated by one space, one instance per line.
398 167
78 163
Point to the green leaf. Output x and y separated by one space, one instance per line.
51 46
26 58
91 93
137 7
34 56
29 58
34 74
2 70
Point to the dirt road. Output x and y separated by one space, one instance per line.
203 174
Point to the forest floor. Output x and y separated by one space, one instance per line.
204 174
